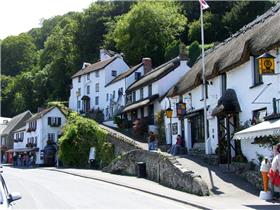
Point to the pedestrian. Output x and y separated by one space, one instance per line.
15 159
264 169
152 141
274 173
179 143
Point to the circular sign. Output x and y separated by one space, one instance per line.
267 64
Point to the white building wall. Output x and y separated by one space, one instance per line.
241 80
118 65
131 78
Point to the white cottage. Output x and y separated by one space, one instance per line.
143 96
88 84
115 90
237 95
40 128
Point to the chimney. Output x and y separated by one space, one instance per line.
147 64
183 52
85 65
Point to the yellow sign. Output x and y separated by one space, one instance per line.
266 64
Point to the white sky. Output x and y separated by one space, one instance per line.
17 16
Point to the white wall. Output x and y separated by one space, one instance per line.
241 80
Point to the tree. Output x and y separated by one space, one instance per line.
194 52
243 12
172 50
213 29
147 29
18 54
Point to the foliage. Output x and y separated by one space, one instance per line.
18 54
147 29
160 126
172 50
117 120
194 52
79 135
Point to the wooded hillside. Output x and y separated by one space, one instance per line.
37 65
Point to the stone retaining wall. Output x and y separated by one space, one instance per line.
162 168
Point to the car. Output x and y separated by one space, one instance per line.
6 198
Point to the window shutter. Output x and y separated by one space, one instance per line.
49 120
59 121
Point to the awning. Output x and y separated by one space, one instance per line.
265 128
140 103
227 104
26 149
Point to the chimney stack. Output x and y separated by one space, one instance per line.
147 62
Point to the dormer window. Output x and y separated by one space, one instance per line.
137 75
114 73
54 121
97 73
79 79
88 76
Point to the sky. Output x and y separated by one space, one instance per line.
17 16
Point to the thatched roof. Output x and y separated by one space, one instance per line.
259 36
155 74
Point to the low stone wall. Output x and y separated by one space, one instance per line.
162 168
245 171
122 143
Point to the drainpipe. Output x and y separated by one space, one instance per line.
170 122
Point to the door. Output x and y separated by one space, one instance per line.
197 128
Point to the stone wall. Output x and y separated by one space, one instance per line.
162 168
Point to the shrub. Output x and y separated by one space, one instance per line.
96 114
79 135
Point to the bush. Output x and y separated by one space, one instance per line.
79 135
96 114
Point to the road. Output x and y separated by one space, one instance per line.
43 189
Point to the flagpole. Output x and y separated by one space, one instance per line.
203 80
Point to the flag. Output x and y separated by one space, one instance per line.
203 4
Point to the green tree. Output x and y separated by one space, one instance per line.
243 12
194 52
147 29
172 50
18 54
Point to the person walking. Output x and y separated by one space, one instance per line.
152 141
274 173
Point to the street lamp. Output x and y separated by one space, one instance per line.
169 113
266 64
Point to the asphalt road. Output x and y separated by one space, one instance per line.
43 189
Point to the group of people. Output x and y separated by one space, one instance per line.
152 143
24 160
270 172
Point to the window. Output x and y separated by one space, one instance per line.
32 125
224 83
88 76
97 87
97 73
79 104
258 116
96 100
107 97
120 92
54 121
141 93
79 79
114 73
51 137
137 75
88 89
150 90
133 96
202 91
114 94
128 99
257 77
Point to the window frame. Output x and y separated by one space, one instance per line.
114 73
257 77
150 90
97 87
97 100
88 89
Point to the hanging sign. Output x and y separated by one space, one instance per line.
266 64
181 109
